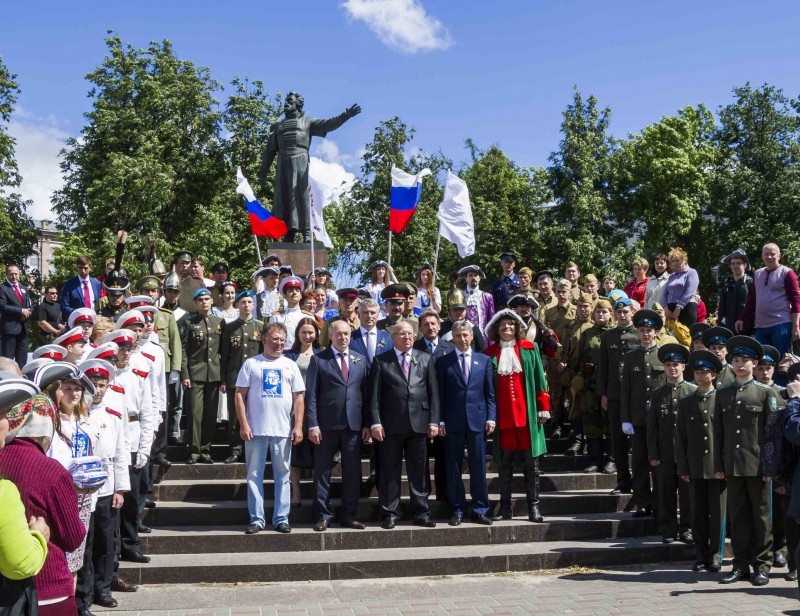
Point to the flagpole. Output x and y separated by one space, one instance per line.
258 250
389 259
311 280
436 258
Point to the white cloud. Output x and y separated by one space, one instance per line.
38 142
403 25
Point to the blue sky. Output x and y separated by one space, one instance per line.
498 72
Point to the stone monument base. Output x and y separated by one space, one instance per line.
298 255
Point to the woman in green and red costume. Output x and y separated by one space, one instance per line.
523 405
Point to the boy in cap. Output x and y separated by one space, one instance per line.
695 451
188 283
73 342
560 319
715 339
696 332
642 374
269 300
591 285
200 373
291 288
744 454
662 414
614 345
348 304
572 341
85 318
507 284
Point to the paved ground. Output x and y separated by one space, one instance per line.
639 590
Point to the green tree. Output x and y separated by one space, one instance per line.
17 233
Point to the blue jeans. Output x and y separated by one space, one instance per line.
280 451
779 336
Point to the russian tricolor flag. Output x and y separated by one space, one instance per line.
262 222
406 194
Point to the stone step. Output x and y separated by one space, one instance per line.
551 463
233 567
236 489
224 539
234 512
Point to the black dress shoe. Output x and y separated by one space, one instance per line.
143 529
574 449
206 459
252 529
479 518
791 576
760 579
354 524
232 459
192 460
163 467
321 526
105 600
642 512
687 537
149 503
503 512
284 528
389 523
667 540
556 434
85 613
455 520
714 568
610 468
120 585
779 560
734 576
134 557
534 515
698 566
424 521
594 468
176 441
620 490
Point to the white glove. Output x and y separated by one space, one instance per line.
544 416
627 428
174 377
141 460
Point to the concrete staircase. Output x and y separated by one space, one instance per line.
198 531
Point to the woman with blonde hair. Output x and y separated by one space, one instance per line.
428 296
381 275
680 290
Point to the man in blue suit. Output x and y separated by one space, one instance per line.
83 291
336 389
368 340
15 312
466 391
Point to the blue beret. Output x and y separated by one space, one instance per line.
625 301
244 294
201 293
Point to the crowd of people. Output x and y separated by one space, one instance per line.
306 376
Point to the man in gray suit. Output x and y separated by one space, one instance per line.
336 389
404 413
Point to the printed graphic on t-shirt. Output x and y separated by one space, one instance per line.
81 445
271 383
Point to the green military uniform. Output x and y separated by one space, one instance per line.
544 306
386 324
170 339
570 358
695 451
353 320
189 286
725 377
614 345
661 418
240 341
200 364
104 309
560 319
782 542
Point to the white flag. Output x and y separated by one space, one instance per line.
324 186
455 216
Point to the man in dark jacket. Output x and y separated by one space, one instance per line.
733 294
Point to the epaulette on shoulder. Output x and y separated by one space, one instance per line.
140 373
167 310
117 388
761 385
728 386
113 412
149 356
688 395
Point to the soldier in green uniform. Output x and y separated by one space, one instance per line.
544 295
614 345
396 295
715 340
560 319
696 332
241 339
784 527
585 399
748 411
189 285
695 449
583 322
200 372
663 336
642 374
661 418
113 304
348 305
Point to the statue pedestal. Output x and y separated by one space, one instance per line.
299 255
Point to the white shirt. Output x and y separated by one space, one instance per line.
345 353
270 385
111 446
290 319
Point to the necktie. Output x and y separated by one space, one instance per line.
345 369
431 347
465 367
405 365
87 299
371 345
19 295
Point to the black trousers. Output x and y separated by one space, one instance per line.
437 451
84 587
234 438
620 446
749 515
708 510
642 495
106 521
15 346
788 528
393 449
672 492
348 442
132 507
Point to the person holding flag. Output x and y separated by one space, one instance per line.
262 222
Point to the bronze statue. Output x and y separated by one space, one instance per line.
290 139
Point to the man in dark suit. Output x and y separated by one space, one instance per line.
429 326
466 390
336 389
83 291
15 310
368 339
403 413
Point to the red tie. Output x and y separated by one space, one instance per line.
345 370
87 299
19 295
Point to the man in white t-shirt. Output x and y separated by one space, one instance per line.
268 389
